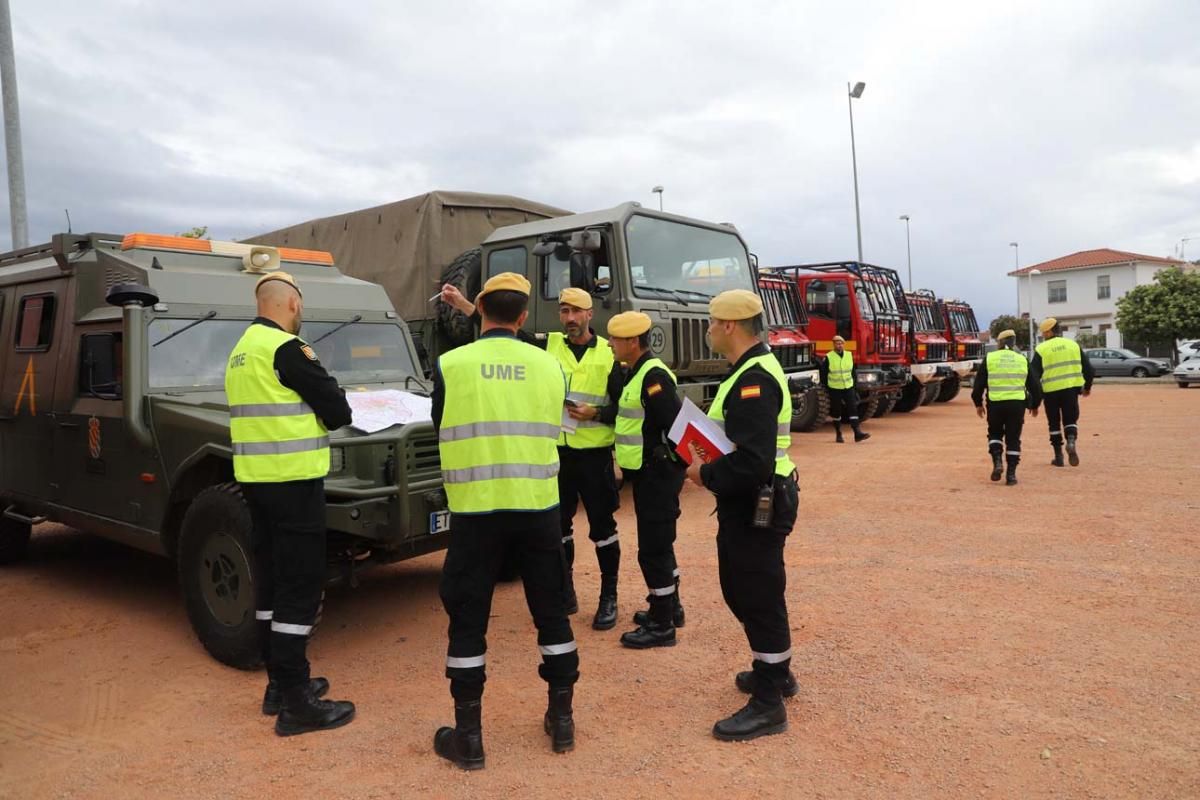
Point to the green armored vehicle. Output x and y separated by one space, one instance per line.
113 416
629 257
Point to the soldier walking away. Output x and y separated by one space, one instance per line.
586 462
1064 372
840 376
648 406
497 405
757 500
282 405
1011 388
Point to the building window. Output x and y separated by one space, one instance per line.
1103 288
1056 291
1104 327
35 322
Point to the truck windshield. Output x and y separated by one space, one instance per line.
923 319
364 352
963 321
666 256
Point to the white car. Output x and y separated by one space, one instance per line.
1188 372
1188 348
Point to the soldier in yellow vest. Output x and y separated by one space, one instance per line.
1011 388
840 377
282 405
498 406
1064 372
647 458
594 388
757 500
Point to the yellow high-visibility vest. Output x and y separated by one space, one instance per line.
1006 373
631 414
1062 364
840 370
783 431
587 382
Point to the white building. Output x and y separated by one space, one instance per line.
1081 290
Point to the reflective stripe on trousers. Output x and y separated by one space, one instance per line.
558 649
469 662
772 658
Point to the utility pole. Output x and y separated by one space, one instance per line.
12 133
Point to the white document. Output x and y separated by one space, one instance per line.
569 423
706 427
376 411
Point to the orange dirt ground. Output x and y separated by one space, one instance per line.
953 638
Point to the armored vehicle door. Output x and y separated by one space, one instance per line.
582 260
33 327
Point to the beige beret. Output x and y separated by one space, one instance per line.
1008 334
628 324
575 297
1047 324
278 275
735 304
506 282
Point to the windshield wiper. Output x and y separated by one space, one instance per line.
351 321
187 327
678 297
705 295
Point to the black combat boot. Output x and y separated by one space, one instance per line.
837 430
1057 461
997 466
678 617
859 436
559 722
745 684
273 698
303 712
606 610
462 744
754 719
657 631
1072 453
1010 477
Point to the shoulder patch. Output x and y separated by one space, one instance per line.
653 389
308 351
749 392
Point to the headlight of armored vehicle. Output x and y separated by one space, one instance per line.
337 460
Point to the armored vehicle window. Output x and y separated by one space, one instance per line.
510 259
557 273
100 367
35 322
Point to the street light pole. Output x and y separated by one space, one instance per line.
658 190
1031 274
853 94
908 249
12 133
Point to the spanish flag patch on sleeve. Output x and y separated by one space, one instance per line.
750 392
653 389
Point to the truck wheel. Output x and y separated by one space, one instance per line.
868 407
886 403
465 273
217 574
811 410
1182 384
910 397
14 540
950 389
931 393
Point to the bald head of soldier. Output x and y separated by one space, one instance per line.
280 301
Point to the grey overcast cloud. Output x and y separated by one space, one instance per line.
1063 126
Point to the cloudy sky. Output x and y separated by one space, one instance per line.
1063 126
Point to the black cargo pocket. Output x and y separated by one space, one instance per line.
787 505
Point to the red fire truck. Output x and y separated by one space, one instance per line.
928 351
967 352
864 304
786 323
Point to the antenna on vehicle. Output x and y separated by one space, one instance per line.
67 211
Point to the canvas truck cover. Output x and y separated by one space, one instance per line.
405 246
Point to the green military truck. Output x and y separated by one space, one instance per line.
113 416
629 258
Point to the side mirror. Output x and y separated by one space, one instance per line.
544 248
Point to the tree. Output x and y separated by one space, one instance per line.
1163 311
196 233
1018 324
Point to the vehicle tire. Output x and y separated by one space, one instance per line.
950 389
1182 385
14 540
464 272
868 407
910 397
217 573
1141 372
811 411
886 403
931 393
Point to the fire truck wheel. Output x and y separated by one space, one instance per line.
910 397
810 410
931 393
949 390
886 404
14 540
464 272
868 407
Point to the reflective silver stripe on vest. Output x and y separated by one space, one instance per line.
634 439
780 454
1057 378
496 472
772 658
632 413
1016 376
558 649
269 410
590 423
287 627
453 662
784 429
264 615
1061 364
591 399
280 448
474 430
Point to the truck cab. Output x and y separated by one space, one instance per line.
966 352
864 304
115 421
787 323
928 351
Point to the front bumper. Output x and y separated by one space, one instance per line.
1186 377
931 373
965 369
876 380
